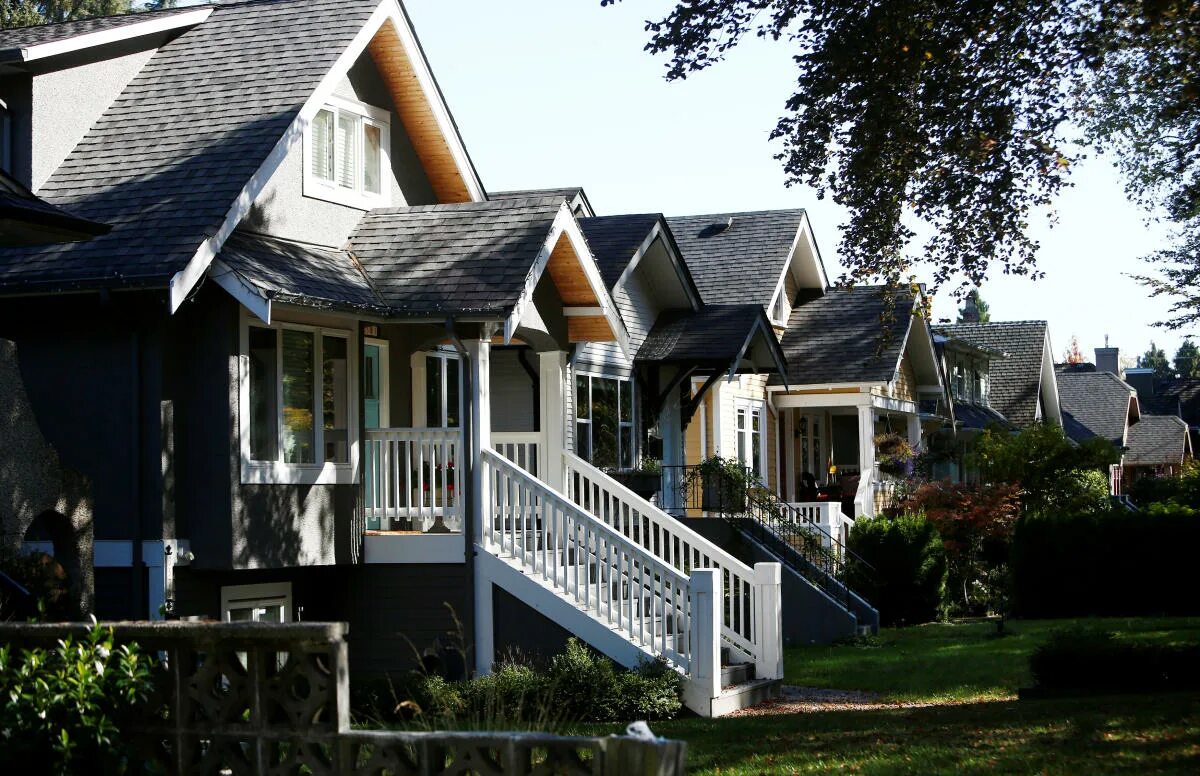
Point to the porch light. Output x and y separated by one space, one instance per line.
833 468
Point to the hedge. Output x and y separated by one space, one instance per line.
1106 564
909 563
1074 661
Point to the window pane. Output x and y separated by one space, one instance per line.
263 409
626 400
321 142
372 158
452 392
347 150
298 395
583 402
626 447
583 447
433 392
336 399
604 422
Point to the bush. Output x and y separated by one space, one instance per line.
1083 660
1115 563
909 579
1183 490
63 709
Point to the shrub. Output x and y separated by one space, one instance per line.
910 567
62 709
1083 660
1115 563
1183 490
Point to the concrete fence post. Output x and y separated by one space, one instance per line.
768 620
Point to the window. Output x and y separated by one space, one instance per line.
751 441
959 379
271 602
347 156
443 390
604 421
298 421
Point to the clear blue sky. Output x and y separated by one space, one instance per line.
560 93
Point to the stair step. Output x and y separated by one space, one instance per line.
739 673
743 696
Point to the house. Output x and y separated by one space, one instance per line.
316 371
967 373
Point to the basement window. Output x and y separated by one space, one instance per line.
346 155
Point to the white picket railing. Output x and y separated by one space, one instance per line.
522 448
680 547
413 479
615 580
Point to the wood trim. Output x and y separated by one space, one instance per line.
590 329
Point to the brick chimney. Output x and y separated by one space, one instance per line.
1108 359
969 312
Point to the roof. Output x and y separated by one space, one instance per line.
1098 403
1157 440
566 192
1180 395
464 257
713 336
294 273
27 220
21 37
737 258
836 338
162 178
968 415
614 240
1016 378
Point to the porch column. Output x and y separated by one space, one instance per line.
788 485
479 509
552 369
914 430
671 428
866 460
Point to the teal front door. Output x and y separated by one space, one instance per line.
373 403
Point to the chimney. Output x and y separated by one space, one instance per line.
1108 359
1143 382
969 312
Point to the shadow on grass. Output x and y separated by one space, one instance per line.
1126 734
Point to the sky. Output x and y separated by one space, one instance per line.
552 93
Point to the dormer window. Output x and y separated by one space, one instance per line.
346 155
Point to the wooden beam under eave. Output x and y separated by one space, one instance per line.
566 270
417 116
592 328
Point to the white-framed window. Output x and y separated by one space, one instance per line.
267 602
751 424
346 155
298 415
605 423
437 388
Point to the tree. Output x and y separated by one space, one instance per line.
23 13
962 112
1187 360
1073 355
1156 358
974 309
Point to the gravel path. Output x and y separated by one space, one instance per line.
795 700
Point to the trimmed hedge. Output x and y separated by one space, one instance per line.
1107 564
1081 660
910 567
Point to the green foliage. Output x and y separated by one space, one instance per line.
62 709
1051 471
1181 491
1086 660
909 559
47 583
1116 563
981 312
23 13
1187 360
1156 358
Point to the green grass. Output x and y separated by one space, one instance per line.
976 726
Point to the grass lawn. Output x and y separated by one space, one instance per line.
976 726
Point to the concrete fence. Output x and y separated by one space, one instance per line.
250 698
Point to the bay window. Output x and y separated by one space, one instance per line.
346 149
604 421
298 419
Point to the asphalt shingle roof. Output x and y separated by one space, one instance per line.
712 334
977 417
284 271
1015 379
1157 439
836 338
1098 403
24 211
11 41
169 156
613 239
737 257
566 192
466 257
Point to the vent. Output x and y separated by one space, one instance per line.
712 230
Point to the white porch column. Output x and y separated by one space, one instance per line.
479 357
865 498
914 431
718 446
552 369
671 427
788 485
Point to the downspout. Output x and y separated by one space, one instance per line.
468 492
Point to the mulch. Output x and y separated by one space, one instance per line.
799 700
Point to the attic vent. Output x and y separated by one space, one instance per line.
712 230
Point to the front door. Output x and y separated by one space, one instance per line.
375 412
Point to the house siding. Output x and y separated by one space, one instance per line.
905 384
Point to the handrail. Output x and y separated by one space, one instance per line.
524 448
618 581
672 541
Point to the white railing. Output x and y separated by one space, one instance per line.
827 516
680 547
522 448
413 479
611 577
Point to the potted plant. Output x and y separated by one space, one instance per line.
723 482
645 480
894 454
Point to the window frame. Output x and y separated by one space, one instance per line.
752 407
332 191
277 472
632 424
262 595
420 387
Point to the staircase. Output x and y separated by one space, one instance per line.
632 582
